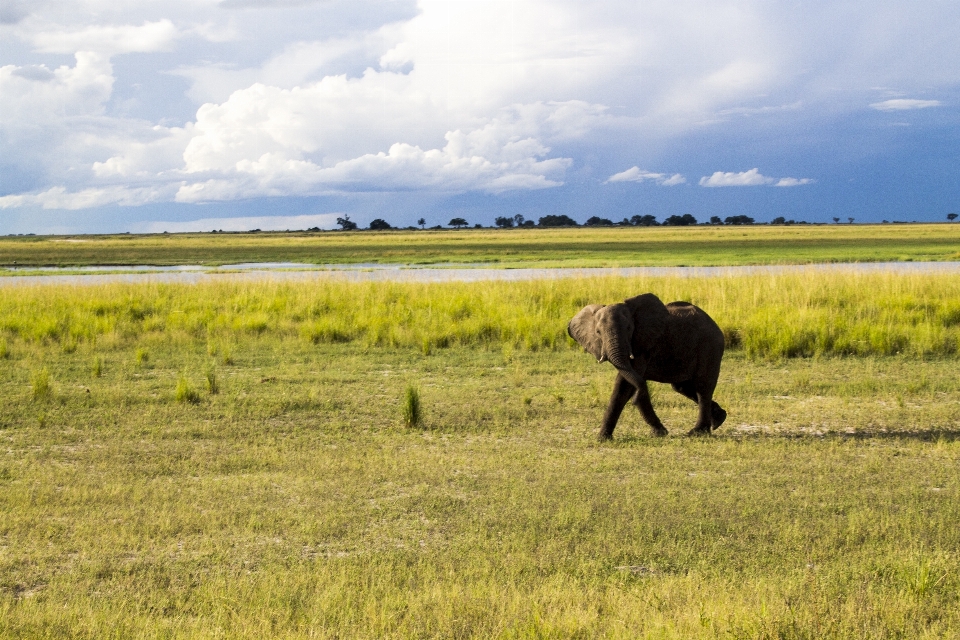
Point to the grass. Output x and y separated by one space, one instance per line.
410 408
293 502
767 316
580 247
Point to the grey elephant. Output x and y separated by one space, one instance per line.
644 339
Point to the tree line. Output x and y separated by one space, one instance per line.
519 221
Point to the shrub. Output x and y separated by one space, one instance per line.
185 392
97 368
380 224
213 386
40 382
410 408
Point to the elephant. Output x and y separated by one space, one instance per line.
644 339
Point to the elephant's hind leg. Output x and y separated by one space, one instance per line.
689 390
642 401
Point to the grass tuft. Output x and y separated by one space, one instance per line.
40 383
213 385
97 368
185 391
410 407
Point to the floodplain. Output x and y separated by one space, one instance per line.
230 460
551 247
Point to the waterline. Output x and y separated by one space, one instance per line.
291 271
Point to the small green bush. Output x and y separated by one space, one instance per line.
410 408
97 368
185 392
213 385
41 384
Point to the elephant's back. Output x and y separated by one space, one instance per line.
696 319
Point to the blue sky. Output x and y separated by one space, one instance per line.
276 114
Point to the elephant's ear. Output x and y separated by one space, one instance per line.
650 318
583 329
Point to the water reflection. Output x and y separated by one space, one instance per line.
290 271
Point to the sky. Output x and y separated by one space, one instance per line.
196 115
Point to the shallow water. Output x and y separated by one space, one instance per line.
290 271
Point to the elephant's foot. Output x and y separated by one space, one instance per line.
604 435
717 416
658 432
699 431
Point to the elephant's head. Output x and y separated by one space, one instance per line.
621 332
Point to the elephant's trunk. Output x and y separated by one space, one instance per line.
617 349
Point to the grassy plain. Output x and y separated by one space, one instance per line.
580 247
220 461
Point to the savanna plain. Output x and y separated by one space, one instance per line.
249 460
541 247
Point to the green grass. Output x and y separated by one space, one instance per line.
611 247
767 316
295 502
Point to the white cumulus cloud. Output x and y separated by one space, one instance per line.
792 182
108 39
636 174
242 223
904 104
751 178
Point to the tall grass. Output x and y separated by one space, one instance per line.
410 408
767 316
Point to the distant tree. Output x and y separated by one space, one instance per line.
951 217
837 220
421 222
314 229
458 222
504 222
779 220
644 221
346 224
595 221
715 220
478 226
556 221
380 225
680 221
519 219
851 220
527 223
738 220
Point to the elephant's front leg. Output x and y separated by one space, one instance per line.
622 390
642 402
